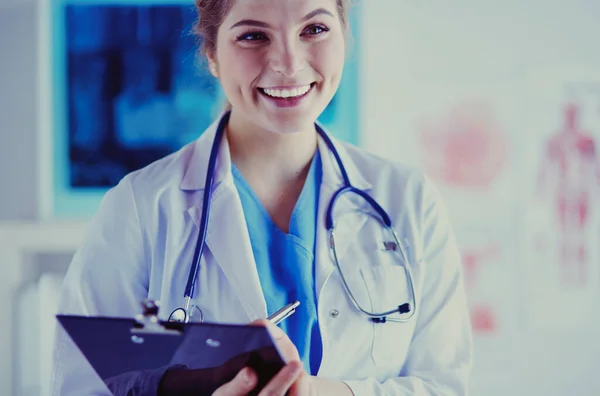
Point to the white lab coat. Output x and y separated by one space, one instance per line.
141 242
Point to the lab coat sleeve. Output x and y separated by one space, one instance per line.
440 354
108 276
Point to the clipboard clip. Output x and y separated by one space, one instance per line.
148 323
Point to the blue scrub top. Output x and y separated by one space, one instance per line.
286 262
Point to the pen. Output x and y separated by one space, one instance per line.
284 313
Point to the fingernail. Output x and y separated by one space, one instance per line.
246 376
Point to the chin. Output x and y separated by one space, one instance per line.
288 123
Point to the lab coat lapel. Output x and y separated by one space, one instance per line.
227 236
229 243
348 203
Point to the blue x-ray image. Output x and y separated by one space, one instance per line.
135 90
129 88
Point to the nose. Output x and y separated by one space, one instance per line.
287 58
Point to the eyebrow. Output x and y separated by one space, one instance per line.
255 23
318 11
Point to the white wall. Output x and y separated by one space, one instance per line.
420 57
18 163
18 106
417 58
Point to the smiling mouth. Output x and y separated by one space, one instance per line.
288 93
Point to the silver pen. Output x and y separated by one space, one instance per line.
284 313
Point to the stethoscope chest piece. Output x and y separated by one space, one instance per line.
178 315
186 315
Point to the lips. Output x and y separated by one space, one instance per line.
288 92
287 97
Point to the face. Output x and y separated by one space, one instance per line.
279 61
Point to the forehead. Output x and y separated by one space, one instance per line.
278 10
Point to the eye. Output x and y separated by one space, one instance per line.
252 36
315 30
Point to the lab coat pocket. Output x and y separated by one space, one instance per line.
388 288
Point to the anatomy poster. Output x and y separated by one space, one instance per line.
464 137
563 230
491 283
463 146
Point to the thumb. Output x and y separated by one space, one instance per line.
240 385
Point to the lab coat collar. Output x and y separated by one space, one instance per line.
227 217
195 174
194 177
332 175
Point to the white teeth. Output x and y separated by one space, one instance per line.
287 93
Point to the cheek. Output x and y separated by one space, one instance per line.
238 68
329 60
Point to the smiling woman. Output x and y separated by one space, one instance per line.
271 57
374 298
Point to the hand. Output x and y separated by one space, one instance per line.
245 381
286 347
305 384
291 379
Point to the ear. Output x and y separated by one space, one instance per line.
212 64
213 69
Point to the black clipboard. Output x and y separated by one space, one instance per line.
144 356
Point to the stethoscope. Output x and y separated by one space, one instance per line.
186 313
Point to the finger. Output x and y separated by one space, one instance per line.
273 329
286 347
240 385
302 386
285 378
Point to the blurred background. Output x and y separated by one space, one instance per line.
499 102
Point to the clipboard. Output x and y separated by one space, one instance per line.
145 356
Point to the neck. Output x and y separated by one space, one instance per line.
279 158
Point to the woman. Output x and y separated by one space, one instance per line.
279 63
